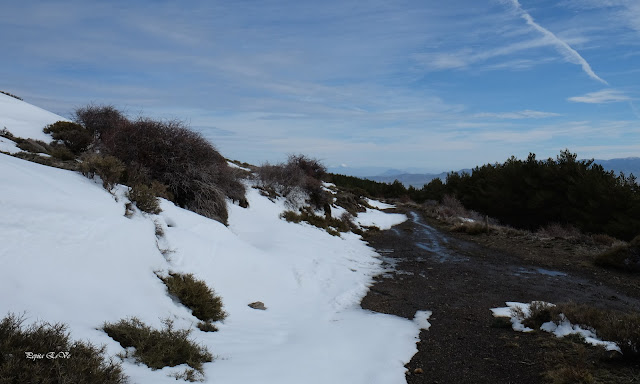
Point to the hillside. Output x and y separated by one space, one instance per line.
71 255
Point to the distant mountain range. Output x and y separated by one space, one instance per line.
628 165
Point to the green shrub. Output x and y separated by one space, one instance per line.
207 326
144 198
86 363
109 168
529 194
195 295
73 135
33 146
330 224
155 348
622 257
61 153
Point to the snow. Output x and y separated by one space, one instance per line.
25 120
70 255
422 319
234 165
566 328
379 205
382 220
8 146
562 329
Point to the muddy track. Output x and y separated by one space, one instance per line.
459 281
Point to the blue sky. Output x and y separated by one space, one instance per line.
428 85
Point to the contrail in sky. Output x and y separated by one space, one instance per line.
559 43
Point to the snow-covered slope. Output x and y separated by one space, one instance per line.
68 254
25 120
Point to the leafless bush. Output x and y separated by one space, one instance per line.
451 207
282 178
603 239
299 173
624 257
99 119
472 228
196 175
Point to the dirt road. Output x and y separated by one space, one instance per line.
459 281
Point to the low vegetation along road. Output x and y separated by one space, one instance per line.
460 277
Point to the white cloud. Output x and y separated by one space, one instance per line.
569 53
526 114
601 97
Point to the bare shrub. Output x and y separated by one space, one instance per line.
539 313
621 328
451 207
196 175
282 178
471 228
570 375
99 119
603 239
311 167
298 173
559 231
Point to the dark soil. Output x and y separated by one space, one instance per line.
459 277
